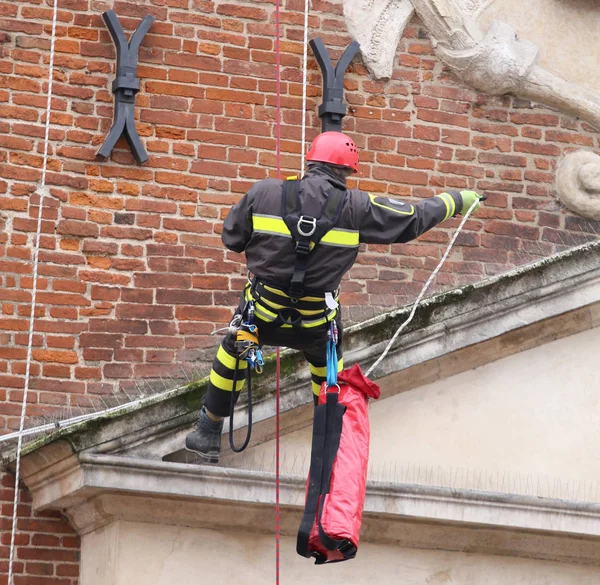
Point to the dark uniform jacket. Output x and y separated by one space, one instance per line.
255 225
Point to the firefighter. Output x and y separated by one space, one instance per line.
300 238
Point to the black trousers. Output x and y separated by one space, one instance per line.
312 341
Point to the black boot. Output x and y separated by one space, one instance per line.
205 439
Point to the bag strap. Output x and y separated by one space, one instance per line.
307 231
327 432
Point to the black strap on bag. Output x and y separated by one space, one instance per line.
307 231
327 431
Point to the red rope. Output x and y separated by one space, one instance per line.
277 368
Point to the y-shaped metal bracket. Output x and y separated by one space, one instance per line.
125 86
333 108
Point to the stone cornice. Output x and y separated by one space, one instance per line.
109 488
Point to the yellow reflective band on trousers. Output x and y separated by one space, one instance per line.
319 375
225 384
229 361
273 224
322 372
449 203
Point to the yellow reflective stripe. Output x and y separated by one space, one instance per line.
229 361
449 203
411 212
270 224
447 207
339 237
276 291
316 388
309 313
283 294
276 306
264 313
322 372
224 383
271 304
309 324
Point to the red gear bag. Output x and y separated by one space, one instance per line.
337 481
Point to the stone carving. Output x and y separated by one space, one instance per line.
378 26
499 64
494 63
578 183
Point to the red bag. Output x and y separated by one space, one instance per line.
337 480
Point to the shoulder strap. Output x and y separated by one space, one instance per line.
307 231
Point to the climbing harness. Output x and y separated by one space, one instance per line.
247 347
307 231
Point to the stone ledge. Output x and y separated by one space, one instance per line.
111 488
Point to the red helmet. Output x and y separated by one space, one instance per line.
334 148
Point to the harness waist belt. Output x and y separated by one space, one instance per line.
311 301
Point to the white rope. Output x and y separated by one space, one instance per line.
423 290
33 295
304 84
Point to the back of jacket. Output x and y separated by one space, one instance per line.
255 225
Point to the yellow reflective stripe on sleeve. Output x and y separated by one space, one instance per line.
229 361
449 203
270 224
225 384
316 388
411 212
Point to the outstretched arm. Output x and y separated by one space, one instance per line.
390 221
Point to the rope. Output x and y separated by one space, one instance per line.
33 296
304 84
423 290
278 355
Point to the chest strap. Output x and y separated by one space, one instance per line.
307 231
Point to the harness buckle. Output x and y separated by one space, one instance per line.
307 220
303 247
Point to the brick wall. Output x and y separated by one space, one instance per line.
46 547
133 277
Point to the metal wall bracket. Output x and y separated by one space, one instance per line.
333 109
125 86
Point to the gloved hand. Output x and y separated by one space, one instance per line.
469 197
